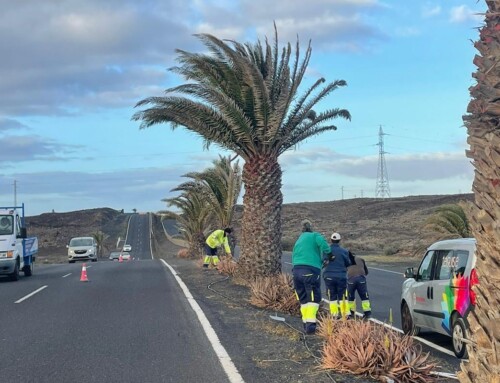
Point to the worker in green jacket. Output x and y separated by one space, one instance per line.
214 240
307 258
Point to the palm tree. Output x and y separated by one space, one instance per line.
100 238
220 185
483 128
449 221
244 97
193 217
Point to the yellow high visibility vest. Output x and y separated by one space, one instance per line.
217 239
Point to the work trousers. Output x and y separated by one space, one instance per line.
307 285
210 257
358 284
336 289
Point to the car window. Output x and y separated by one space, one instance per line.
451 263
425 270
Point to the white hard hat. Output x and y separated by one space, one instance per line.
336 236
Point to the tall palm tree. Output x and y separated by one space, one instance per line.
220 185
483 128
100 238
193 216
244 97
450 221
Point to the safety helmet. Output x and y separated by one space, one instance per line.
336 237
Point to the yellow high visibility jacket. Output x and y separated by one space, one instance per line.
217 239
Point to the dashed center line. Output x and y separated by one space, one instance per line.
30 294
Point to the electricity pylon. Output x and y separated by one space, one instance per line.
382 190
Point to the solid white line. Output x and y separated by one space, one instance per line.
226 362
151 234
387 271
30 294
67 275
288 263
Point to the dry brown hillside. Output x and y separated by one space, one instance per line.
375 226
368 225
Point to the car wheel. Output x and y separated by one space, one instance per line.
15 274
459 332
409 327
94 260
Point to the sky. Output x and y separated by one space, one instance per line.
71 72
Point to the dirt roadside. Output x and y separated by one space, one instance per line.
262 349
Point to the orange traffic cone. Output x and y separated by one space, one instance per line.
84 278
120 258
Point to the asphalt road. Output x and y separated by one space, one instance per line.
129 323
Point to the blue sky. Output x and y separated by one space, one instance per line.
72 71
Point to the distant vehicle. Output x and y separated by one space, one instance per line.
114 255
127 248
82 249
17 250
126 256
439 295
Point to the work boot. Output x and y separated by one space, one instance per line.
367 315
310 328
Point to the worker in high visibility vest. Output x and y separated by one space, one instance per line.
214 240
307 259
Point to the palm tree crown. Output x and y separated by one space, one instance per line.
243 97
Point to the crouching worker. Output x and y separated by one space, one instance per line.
214 240
335 277
307 258
356 281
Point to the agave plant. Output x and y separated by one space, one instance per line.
244 98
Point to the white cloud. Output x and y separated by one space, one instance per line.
463 14
431 10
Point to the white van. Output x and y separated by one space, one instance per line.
82 249
439 296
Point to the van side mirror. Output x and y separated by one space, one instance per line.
409 273
67 246
22 233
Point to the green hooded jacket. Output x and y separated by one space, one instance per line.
309 249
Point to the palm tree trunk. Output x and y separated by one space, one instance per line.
261 221
483 126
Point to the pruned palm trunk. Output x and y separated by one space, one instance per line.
261 221
483 126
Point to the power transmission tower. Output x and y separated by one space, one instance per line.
382 190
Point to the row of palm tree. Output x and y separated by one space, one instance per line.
205 202
244 98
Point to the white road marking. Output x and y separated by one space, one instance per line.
30 294
387 271
67 275
288 263
224 358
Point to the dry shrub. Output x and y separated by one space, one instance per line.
227 266
183 253
366 348
275 293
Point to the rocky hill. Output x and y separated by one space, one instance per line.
54 230
368 225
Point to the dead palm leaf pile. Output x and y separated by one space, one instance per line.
227 266
275 293
366 348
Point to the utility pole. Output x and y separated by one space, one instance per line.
342 189
15 193
382 189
